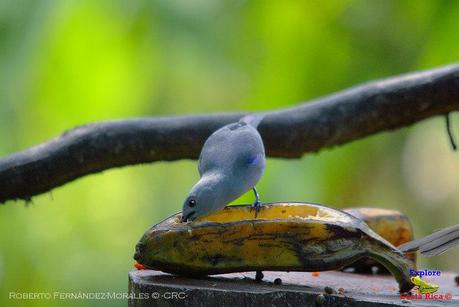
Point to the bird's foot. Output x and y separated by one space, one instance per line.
257 206
257 203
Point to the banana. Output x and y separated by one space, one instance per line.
283 237
392 225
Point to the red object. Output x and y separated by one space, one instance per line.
139 266
315 274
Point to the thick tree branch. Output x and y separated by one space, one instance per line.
288 133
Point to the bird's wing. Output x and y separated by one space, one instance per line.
229 144
200 166
255 159
435 243
216 148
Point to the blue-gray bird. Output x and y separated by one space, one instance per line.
231 163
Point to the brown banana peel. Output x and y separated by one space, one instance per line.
392 225
283 237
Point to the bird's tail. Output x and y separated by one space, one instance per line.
252 119
434 244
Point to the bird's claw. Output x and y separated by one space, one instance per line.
257 203
257 206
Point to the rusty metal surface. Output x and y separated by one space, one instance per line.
297 288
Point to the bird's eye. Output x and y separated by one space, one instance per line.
191 203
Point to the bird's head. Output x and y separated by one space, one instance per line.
203 198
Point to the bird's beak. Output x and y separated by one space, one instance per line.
187 217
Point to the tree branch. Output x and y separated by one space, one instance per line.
289 133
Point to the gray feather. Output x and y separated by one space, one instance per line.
435 243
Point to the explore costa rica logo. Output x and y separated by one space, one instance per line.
423 286
426 290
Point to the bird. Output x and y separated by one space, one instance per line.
435 243
231 162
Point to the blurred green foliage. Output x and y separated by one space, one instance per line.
66 63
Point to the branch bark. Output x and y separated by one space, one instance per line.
288 133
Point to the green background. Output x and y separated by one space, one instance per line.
66 63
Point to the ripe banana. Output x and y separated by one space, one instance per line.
283 237
392 225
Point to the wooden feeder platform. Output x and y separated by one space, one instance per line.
154 288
